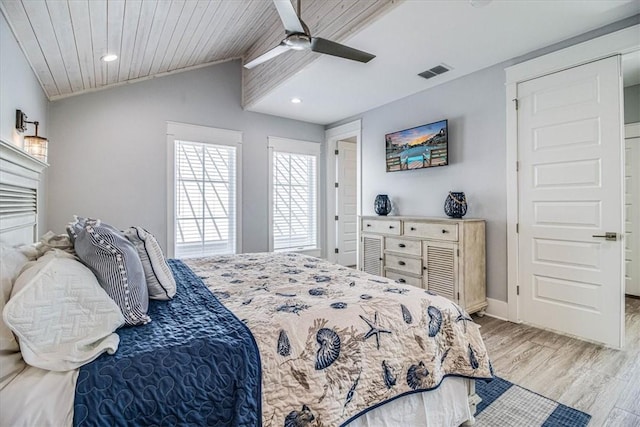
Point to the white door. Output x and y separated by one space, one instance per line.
570 192
346 204
632 210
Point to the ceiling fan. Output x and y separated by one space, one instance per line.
298 37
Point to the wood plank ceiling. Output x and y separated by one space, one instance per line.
64 40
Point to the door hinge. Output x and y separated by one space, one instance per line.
517 227
518 290
337 250
517 166
458 252
458 296
336 152
515 101
336 185
336 217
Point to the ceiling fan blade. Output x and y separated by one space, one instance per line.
288 16
281 48
328 47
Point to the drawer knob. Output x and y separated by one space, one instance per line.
413 229
391 226
402 263
444 231
401 281
402 245
368 225
424 268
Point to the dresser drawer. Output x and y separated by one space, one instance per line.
403 263
381 226
425 230
403 246
401 278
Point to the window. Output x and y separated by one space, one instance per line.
205 191
293 195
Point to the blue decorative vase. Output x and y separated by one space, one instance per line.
382 205
455 204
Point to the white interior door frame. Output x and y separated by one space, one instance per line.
619 42
332 136
632 235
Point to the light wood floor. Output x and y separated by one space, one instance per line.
602 382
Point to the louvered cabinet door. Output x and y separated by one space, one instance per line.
372 254
440 273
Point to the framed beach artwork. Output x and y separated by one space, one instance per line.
419 147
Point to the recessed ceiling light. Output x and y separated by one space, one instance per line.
296 100
109 57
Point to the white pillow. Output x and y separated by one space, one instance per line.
11 363
62 317
160 280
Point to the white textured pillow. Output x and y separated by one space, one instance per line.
11 363
62 317
160 280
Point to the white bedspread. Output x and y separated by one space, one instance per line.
45 398
37 397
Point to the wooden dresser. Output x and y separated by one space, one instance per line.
446 256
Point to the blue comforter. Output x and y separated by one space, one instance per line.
194 364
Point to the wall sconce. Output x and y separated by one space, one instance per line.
35 145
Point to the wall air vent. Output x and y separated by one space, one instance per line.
438 69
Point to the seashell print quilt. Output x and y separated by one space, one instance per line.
334 341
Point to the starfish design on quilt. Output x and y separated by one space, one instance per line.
374 329
462 317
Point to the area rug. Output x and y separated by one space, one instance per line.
505 404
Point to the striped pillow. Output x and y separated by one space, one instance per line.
160 281
116 264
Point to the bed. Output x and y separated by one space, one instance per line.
272 339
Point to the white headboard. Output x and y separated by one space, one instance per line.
19 179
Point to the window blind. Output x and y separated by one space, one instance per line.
205 217
295 213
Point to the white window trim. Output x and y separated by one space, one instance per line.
207 135
295 147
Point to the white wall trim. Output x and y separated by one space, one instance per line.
345 130
297 147
332 136
199 133
619 42
205 134
498 309
294 146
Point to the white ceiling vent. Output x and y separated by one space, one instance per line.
438 69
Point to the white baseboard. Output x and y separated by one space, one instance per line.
498 309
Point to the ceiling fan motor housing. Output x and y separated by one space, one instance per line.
298 41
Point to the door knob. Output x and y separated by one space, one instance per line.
610 236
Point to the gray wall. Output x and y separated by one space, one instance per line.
474 106
632 104
109 159
20 90
476 109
